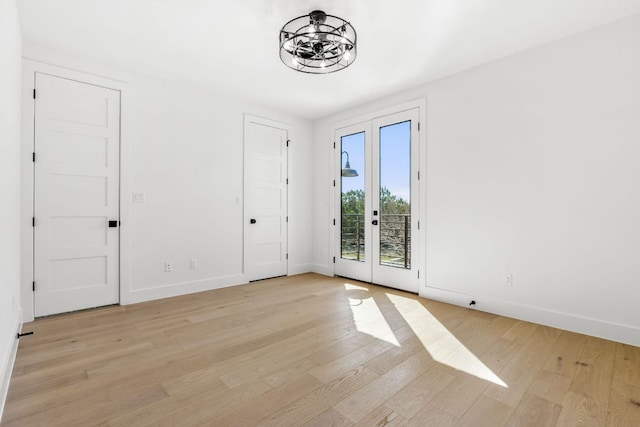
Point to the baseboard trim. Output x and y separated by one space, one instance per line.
184 288
7 366
570 322
322 269
300 269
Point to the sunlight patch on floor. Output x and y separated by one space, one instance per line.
441 344
367 316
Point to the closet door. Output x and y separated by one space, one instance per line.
76 218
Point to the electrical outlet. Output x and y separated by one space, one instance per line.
193 264
168 266
507 279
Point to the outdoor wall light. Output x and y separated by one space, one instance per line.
346 170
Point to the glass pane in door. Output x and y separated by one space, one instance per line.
395 195
352 190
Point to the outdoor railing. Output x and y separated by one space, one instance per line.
395 239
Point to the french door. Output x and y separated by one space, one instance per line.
377 201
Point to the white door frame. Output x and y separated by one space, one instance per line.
29 68
421 104
248 118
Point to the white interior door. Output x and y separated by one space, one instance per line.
377 201
77 144
265 208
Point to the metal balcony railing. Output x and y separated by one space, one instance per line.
395 239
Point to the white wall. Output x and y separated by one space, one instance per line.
184 149
532 169
10 48
187 156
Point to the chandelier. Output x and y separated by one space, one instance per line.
317 43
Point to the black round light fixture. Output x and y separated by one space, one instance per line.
318 43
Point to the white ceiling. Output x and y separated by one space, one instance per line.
230 47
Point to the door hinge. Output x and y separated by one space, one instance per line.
418 126
34 286
287 181
33 221
287 219
418 274
33 156
288 140
34 94
418 175
334 182
334 144
334 260
418 225
334 221
286 256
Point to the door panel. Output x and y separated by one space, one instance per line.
265 201
395 185
377 206
353 186
77 144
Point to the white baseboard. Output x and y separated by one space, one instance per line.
300 269
570 322
7 363
321 269
177 289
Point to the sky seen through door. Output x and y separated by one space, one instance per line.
395 153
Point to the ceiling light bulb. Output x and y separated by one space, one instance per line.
323 64
347 55
312 29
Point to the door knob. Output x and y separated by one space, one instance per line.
374 222
252 220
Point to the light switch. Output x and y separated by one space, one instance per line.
138 197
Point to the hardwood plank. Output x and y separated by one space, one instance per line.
321 399
563 358
461 393
287 351
432 416
624 405
549 386
383 416
184 408
534 411
595 371
627 364
486 412
329 418
579 410
386 361
358 404
269 402
416 395
521 370
346 363
289 372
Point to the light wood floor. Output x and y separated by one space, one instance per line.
317 351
